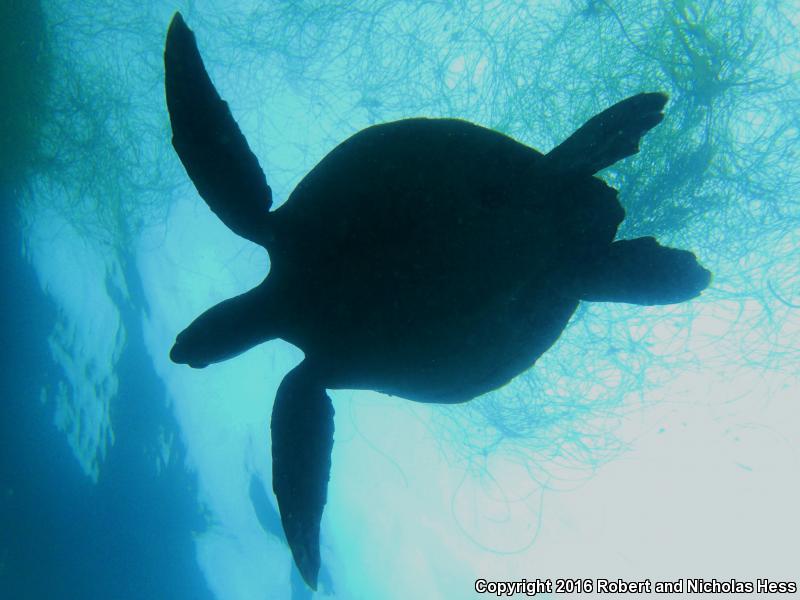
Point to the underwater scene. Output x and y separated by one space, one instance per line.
383 299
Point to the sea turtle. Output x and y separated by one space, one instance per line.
431 259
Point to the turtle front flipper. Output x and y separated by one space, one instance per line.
212 149
608 137
302 440
643 272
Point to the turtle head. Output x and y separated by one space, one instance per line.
191 349
225 330
209 339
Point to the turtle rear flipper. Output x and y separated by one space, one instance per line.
608 137
302 440
643 272
209 143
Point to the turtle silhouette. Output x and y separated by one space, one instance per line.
430 259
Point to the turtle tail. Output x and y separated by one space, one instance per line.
608 137
209 143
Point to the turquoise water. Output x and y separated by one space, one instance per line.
656 443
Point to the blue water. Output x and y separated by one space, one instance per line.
658 443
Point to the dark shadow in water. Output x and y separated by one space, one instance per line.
131 535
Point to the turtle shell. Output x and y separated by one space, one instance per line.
433 258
